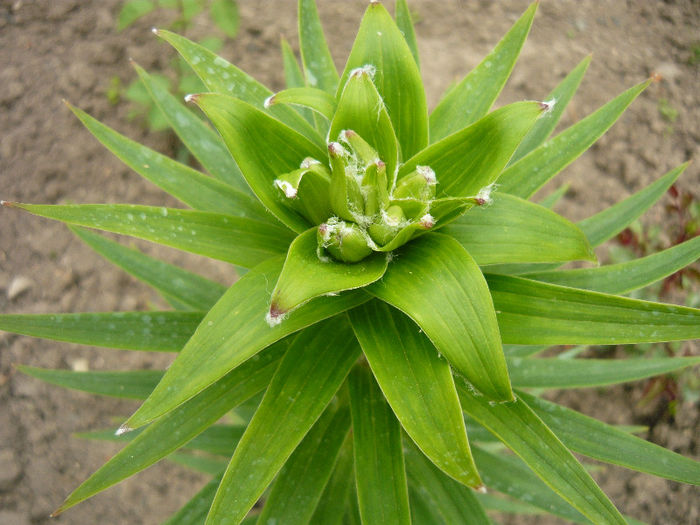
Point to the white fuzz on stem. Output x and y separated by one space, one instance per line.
483 198
367 69
427 221
428 174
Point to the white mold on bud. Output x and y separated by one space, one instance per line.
427 221
483 198
289 191
269 101
548 105
428 174
308 162
367 69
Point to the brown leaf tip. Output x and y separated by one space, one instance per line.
7 203
191 97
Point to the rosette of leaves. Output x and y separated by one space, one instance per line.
386 335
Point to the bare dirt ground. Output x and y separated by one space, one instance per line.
55 49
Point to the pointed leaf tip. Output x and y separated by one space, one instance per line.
191 97
154 30
124 429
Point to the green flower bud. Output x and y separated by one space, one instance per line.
307 190
345 241
388 225
364 153
417 185
345 194
374 187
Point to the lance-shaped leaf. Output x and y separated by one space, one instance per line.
338 488
182 182
380 473
301 482
404 22
530 173
195 510
361 109
524 433
454 502
595 439
305 277
471 99
611 221
418 385
471 159
627 276
435 282
149 331
380 44
557 100
531 312
319 68
316 99
223 77
182 424
514 478
203 142
515 230
174 283
308 377
234 330
582 373
133 384
293 77
263 147
245 242
421 511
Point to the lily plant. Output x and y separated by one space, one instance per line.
378 361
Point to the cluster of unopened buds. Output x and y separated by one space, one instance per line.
359 207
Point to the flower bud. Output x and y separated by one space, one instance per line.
307 190
345 241
374 188
364 153
417 185
389 223
345 194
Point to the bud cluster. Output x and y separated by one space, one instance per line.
358 205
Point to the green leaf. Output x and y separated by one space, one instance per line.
319 68
379 467
454 502
263 147
312 98
361 109
418 386
233 331
421 511
582 373
498 503
293 77
305 277
405 25
553 198
149 331
189 289
598 440
245 242
524 433
220 76
202 464
195 510
558 99
525 177
435 282
182 182
131 11
471 159
530 312
308 377
380 44
472 98
627 276
182 424
301 482
203 142
514 230
134 384
611 221
335 496
224 13
512 477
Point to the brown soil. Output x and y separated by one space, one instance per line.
55 49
